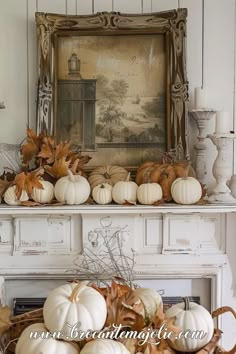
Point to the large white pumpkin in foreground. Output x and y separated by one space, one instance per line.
186 190
74 303
72 189
27 345
104 346
193 317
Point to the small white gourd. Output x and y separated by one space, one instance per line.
74 303
72 189
10 196
102 194
149 193
44 195
125 191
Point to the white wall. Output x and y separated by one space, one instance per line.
210 57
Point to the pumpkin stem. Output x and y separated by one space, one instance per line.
186 172
186 303
102 186
128 177
71 176
76 289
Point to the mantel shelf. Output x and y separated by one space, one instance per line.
117 209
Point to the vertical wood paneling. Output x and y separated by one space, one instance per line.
147 6
194 59
219 61
13 72
54 6
32 63
71 7
102 5
134 6
162 5
84 7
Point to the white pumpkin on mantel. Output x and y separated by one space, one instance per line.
71 304
193 317
72 189
149 193
125 191
186 190
10 196
28 345
104 346
44 195
102 194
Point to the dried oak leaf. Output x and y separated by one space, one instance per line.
124 311
59 168
47 151
5 322
27 181
32 146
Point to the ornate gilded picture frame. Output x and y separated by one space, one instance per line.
114 84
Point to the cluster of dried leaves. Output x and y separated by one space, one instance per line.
43 158
125 308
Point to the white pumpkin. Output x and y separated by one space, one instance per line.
37 345
193 317
149 193
44 195
74 303
151 300
11 198
104 346
102 194
125 191
186 190
72 189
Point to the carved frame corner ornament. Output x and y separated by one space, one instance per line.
172 24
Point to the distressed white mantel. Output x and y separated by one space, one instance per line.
169 241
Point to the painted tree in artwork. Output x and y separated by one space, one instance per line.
111 96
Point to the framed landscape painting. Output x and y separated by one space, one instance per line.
114 84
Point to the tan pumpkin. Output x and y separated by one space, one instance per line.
107 174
